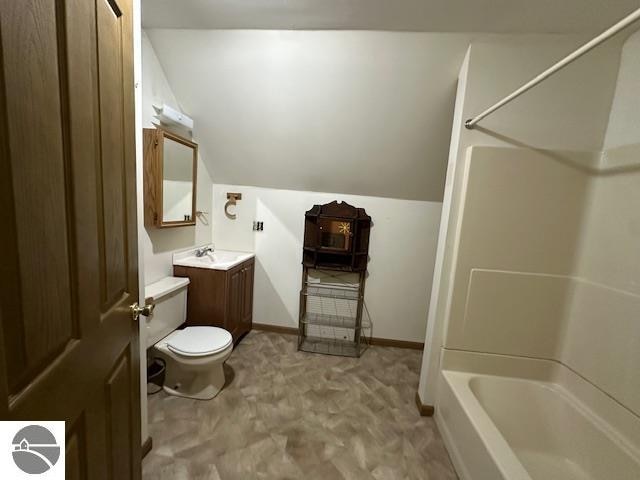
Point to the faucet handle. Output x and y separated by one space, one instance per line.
203 250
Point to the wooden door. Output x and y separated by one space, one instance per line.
68 345
247 297
234 317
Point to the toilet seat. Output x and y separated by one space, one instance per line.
199 341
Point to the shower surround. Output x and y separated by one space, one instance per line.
539 374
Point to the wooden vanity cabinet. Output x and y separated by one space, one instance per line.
220 298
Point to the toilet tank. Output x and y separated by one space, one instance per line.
170 298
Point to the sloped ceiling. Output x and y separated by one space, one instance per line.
366 113
360 112
491 16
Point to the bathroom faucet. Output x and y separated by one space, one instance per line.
201 252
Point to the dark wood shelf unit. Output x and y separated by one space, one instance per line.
336 238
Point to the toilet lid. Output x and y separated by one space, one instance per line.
199 341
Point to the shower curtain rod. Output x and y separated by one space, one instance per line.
607 34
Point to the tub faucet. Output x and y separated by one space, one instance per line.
201 252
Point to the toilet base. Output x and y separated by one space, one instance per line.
201 385
201 378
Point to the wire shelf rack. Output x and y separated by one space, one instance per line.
332 291
325 320
342 348
333 319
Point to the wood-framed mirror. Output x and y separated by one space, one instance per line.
170 179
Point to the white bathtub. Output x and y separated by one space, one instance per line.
531 426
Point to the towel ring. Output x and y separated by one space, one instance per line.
232 198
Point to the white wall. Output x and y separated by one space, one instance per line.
624 121
159 244
402 254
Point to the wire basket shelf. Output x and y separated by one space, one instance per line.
332 291
332 347
325 320
333 317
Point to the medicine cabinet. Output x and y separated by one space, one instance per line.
170 173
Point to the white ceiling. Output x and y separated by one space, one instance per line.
368 113
494 16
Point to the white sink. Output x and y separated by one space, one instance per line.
218 260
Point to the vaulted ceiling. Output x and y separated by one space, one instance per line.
365 113
361 112
492 16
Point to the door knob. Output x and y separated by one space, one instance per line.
146 310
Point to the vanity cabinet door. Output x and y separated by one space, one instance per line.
240 300
220 298
247 296
206 297
235 300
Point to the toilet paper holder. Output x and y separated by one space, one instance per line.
232 198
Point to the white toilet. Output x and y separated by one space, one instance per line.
194 355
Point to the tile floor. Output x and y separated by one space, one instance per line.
293 415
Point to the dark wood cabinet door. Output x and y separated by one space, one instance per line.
220 298
247 297
234 299
206 296
68 343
